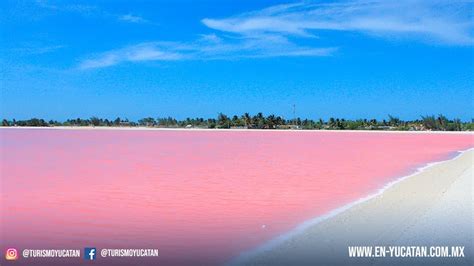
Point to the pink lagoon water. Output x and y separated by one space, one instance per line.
200 197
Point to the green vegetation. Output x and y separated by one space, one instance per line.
259 121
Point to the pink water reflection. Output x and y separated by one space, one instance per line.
197 196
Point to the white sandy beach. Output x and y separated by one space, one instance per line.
431 208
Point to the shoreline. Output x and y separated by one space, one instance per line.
236 130
270 251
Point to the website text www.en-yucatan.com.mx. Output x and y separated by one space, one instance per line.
406 251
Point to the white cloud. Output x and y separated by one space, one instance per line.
75 8
36 49
89 11
204 49
105 60
281 30
211 38
448 22
132 19
135 53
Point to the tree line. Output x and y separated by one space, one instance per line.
259 121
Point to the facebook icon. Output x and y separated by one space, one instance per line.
89 253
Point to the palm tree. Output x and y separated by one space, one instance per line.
429 122
95 121
247 119
223 121
393 121
271 121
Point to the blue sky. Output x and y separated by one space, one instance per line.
183 58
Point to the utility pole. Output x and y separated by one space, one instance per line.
294 114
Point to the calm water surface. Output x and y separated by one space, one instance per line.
197 196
